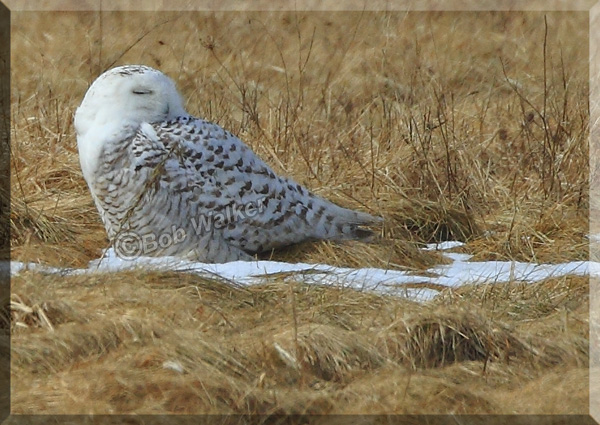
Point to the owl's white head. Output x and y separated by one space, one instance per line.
119 101
130 94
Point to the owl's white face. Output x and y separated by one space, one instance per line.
117 103
130 94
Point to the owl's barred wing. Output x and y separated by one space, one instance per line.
204 158
217 177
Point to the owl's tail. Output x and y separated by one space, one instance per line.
348 225
335 223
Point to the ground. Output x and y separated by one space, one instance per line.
467 126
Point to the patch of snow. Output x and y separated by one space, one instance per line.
418 287
442 246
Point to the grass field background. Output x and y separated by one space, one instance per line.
468 126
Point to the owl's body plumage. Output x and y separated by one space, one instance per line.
178 185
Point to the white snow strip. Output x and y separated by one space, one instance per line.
594 269
391 282
442 246
462 272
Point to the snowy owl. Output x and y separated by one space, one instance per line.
167 183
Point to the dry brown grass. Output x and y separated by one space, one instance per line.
468 126
277 349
